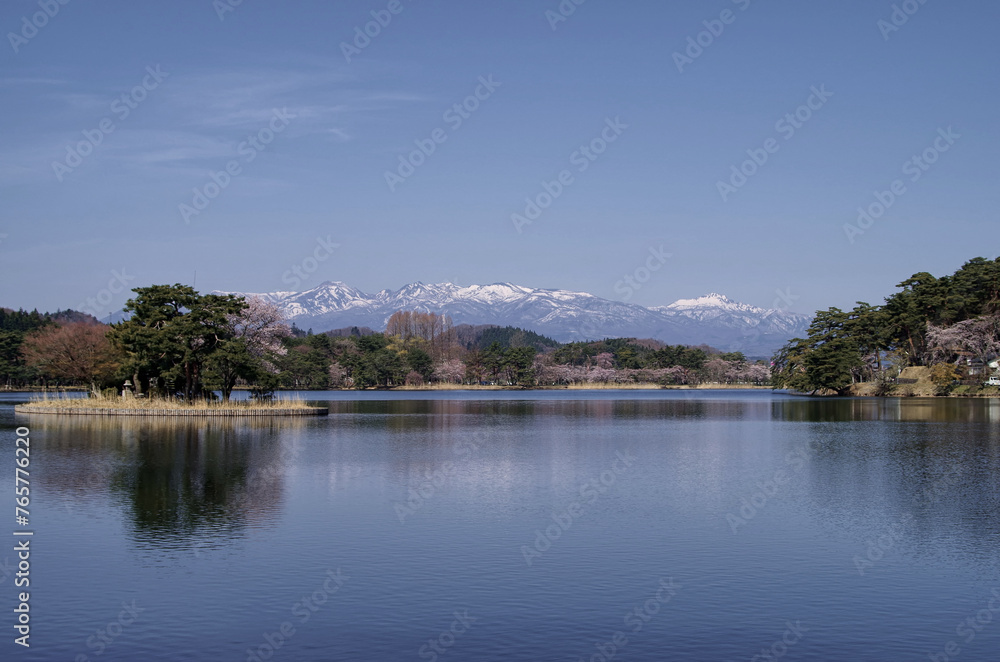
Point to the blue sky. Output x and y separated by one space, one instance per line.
199 87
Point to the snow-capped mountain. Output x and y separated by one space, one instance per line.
564 315
720 310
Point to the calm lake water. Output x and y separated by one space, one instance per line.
556 525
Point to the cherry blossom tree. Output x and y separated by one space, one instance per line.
604 360
597 375
716 369
735 372
257 331
758 373
451 371
339 377
943 342
979 336
261 327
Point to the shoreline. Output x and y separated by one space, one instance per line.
155 407
228 412
857 391
598 386
644 386
862 390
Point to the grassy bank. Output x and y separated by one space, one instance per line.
132 406
40 389
923 387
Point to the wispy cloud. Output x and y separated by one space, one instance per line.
191 118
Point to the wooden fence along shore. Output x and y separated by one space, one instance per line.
233 412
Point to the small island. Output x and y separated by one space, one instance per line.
175 351
129 405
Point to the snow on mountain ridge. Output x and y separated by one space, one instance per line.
712 300
562 314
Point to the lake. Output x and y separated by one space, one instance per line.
549 525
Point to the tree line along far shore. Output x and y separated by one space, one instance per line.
178 342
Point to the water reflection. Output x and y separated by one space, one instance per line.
178 480
941 410
286 499
760 406
871 462
931 464
683 408
181 482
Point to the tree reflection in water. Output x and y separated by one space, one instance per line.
185 482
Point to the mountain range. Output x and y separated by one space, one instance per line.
566 316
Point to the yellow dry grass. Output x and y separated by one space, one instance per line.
158 404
